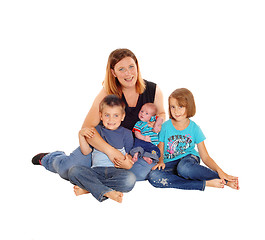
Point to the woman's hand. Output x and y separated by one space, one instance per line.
115 154
151 124
126 163
159 165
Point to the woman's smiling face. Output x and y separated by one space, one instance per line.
126 72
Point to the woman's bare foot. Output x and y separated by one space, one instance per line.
114 195
217 183
79 191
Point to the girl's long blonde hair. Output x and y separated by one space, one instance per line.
111 83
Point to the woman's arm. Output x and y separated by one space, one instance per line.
92 120
209 162
159 102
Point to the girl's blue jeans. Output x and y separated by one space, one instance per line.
101 180
185 173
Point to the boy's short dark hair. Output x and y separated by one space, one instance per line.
111 101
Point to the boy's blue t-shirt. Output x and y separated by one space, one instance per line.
121 139
180 143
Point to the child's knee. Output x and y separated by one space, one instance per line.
73 173
129 182
185 169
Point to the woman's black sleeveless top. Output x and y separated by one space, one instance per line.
148 96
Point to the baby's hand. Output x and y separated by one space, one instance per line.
87 132
147 138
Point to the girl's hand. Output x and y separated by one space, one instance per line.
159 165
87 132
127 163
225 177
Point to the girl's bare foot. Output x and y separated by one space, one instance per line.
114 195
233 184
79 191
217 183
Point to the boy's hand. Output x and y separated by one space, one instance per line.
159 165
87 132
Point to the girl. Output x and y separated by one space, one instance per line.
179 164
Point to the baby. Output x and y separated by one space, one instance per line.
146 133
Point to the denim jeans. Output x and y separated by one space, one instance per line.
189 168
100 180
145 149
59 162
141 169
168 178
185 173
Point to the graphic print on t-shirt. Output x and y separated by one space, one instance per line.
177 145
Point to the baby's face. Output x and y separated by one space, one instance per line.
145 114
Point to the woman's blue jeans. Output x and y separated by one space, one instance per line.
185 173
101 180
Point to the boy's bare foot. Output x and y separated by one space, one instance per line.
79 191
135 157
148 160
217 183
114 195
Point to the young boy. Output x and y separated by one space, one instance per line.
147 137
103 180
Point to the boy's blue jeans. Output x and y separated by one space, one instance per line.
185 173
59 162
100 180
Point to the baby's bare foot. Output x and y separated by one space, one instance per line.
79 191
114 195
217 183
135 157
148 160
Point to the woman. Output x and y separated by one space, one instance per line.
123 78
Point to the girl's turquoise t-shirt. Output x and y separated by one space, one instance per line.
178 144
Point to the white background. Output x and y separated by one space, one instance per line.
53 56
